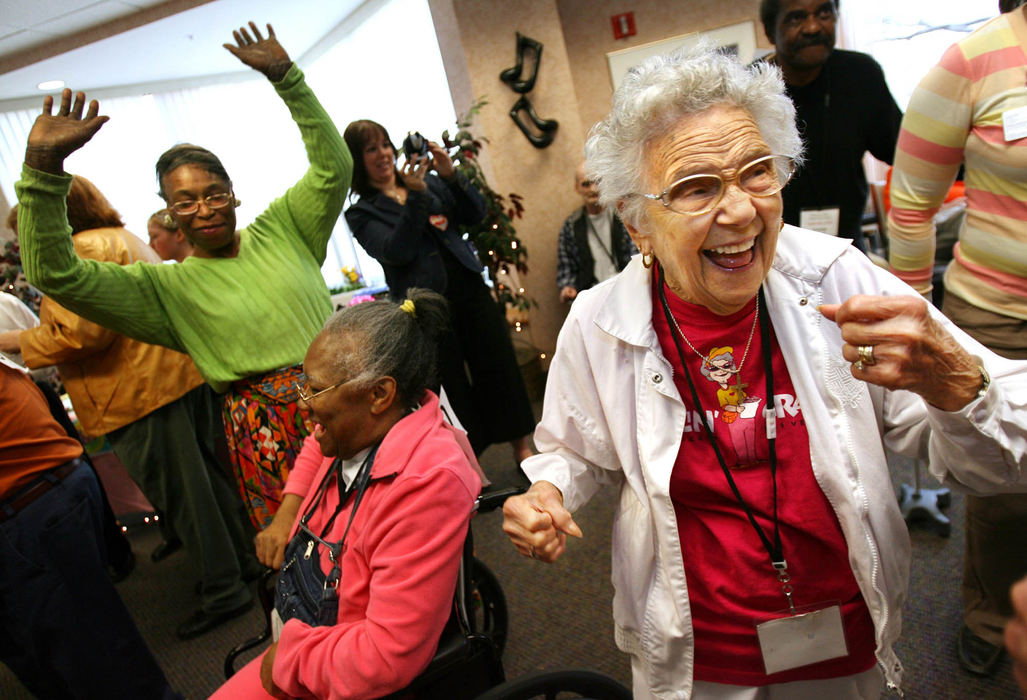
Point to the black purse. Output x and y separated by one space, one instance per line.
303 590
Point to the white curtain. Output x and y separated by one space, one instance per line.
364 75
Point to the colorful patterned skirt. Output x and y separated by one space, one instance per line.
265 425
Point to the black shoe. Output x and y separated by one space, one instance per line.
201 622
165 549
976 655
120 571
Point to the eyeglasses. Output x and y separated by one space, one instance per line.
304 391
218 200
698 194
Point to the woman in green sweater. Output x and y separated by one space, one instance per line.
245 305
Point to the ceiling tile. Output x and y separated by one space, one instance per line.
21 40
77 20
30 14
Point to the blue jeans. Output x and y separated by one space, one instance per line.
64 630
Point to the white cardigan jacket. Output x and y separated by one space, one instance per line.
612 414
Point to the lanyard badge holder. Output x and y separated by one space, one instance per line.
798 636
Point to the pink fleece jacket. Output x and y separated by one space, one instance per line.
399 564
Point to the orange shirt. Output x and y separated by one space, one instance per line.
31 441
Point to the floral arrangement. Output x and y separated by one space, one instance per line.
352 280
495 238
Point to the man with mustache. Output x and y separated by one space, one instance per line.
843 109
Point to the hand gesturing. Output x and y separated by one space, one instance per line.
56 136
265 55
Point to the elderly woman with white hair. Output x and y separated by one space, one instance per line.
740 382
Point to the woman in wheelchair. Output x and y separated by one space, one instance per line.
370 533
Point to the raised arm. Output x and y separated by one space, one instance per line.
260 54
105 293
54 137
311 207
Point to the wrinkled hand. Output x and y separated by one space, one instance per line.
413 171
911 350
441 161
9 341
568 293
270 543
56 136
266 666
264 55
537 523
1016 633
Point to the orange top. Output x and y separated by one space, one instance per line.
31 441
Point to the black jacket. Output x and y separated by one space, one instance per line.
406 239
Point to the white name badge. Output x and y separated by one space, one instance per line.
800 640
1014 123
823 220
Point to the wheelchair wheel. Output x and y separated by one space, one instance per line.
489 604
560 683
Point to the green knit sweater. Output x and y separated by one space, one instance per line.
236 317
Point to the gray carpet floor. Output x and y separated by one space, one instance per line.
560 614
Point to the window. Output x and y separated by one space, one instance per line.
907 38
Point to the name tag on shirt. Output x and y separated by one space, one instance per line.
1014 123
823 220
800 640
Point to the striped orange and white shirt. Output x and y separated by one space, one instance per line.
956 116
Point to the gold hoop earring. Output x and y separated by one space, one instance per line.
235 202
647 259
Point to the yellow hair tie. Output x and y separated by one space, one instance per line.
408 306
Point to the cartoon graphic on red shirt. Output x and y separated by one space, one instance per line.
738 409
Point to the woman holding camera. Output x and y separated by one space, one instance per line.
409 220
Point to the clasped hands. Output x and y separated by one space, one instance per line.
538 524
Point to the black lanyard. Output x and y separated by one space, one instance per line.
358 486
774 549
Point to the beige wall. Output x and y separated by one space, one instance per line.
477 39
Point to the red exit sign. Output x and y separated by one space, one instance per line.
623 25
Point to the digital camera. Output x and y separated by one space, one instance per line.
414 145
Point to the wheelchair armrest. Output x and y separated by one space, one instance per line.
490 500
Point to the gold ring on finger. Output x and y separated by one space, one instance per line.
866 355
858 364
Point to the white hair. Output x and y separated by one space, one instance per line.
660 92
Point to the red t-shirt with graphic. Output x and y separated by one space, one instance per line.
732 586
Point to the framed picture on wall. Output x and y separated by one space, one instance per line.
736 39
